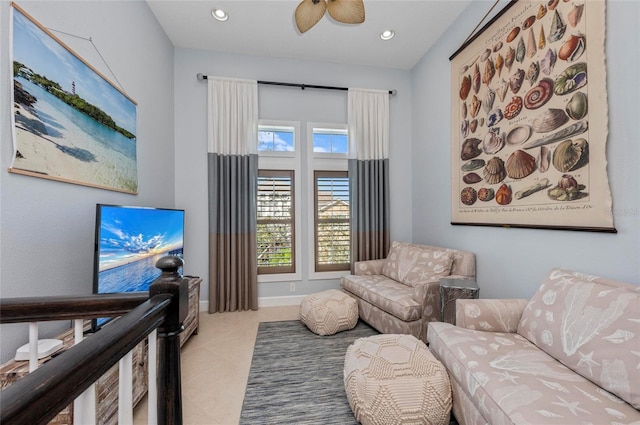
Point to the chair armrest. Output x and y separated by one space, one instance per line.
428 295
368 267
495 315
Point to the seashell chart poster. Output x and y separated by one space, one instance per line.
529 119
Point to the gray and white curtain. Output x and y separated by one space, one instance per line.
369 173
233 172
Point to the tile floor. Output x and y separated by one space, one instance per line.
215 365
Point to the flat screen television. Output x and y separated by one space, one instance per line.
128 242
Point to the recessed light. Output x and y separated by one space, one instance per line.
387 35
219 14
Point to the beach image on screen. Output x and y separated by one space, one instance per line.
131 241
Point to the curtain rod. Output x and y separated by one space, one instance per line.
201 77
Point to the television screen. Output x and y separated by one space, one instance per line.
129 241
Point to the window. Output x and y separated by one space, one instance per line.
275 139
332 141
331 210
275 222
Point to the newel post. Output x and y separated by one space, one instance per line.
169 386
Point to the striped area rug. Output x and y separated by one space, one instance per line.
296 376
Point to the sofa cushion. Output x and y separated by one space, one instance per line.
510 380
386 294
411 264
590 324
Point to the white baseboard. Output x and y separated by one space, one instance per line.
280 301
266 302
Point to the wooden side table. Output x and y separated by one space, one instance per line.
452 289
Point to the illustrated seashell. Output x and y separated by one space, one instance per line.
481 122
528 22
572 130
531 43
542 40
539 95
538 186
520 164
471 178
489 71
549 120
475 80
473 125
532 73
485 55
470 149
468 196
542 10
494 172
493 142
509 57
547 63
575 14
503 195
571 79
543 159
501 89
573 48
485 194
463 110
577 107
475 106
557 28
552 4
513 108
519 135
515 82
472 165
487 103
567 189
571 155
499 63
464 128
495 117
497 46
513 34
465 87
520 50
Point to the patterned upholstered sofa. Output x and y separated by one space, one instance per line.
400 294
570 355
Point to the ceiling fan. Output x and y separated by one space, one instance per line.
309 12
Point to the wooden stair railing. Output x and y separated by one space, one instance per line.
39 396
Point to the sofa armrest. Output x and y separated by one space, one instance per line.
368 267
428 295
495 315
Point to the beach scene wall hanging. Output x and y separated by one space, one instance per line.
70 123
529 120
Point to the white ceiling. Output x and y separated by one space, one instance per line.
267 27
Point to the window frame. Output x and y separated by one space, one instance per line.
286 160
320 161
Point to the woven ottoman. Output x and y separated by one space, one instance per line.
394 379
329 312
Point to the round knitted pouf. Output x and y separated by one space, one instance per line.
394 379
329 312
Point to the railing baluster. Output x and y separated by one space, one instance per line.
33 346
84 407
152 394
125 390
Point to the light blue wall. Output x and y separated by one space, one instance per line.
279 103
512 262
47 227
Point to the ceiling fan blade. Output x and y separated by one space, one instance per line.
308 13
346 11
